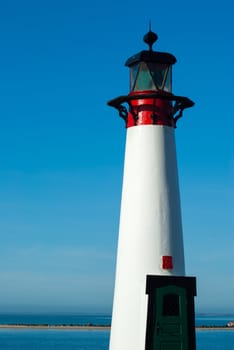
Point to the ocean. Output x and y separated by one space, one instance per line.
67 339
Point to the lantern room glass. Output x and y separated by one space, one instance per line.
151 76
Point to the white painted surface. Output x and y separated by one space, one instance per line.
150 227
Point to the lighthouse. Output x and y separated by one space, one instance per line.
153 304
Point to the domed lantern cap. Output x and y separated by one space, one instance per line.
150 70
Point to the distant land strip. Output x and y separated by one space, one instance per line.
92 327
62 326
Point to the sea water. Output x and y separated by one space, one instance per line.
31 339
67 339
215 339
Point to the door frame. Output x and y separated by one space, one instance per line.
153 283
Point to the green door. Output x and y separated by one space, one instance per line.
171 332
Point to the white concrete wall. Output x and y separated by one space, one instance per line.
150 227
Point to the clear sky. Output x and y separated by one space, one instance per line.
62 147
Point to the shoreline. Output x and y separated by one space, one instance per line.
41 326
214 328
93 327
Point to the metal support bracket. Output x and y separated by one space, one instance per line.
180 103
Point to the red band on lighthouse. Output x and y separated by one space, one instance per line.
148 111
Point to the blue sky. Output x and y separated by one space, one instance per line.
62 147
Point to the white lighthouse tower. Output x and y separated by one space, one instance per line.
153 300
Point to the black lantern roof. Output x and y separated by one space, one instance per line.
150 55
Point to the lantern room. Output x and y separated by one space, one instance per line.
150 100
151 70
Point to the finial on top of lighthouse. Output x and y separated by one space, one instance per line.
150 38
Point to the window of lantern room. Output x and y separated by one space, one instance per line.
133 75
151 76
141 78
162 76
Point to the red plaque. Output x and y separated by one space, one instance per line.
167 263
